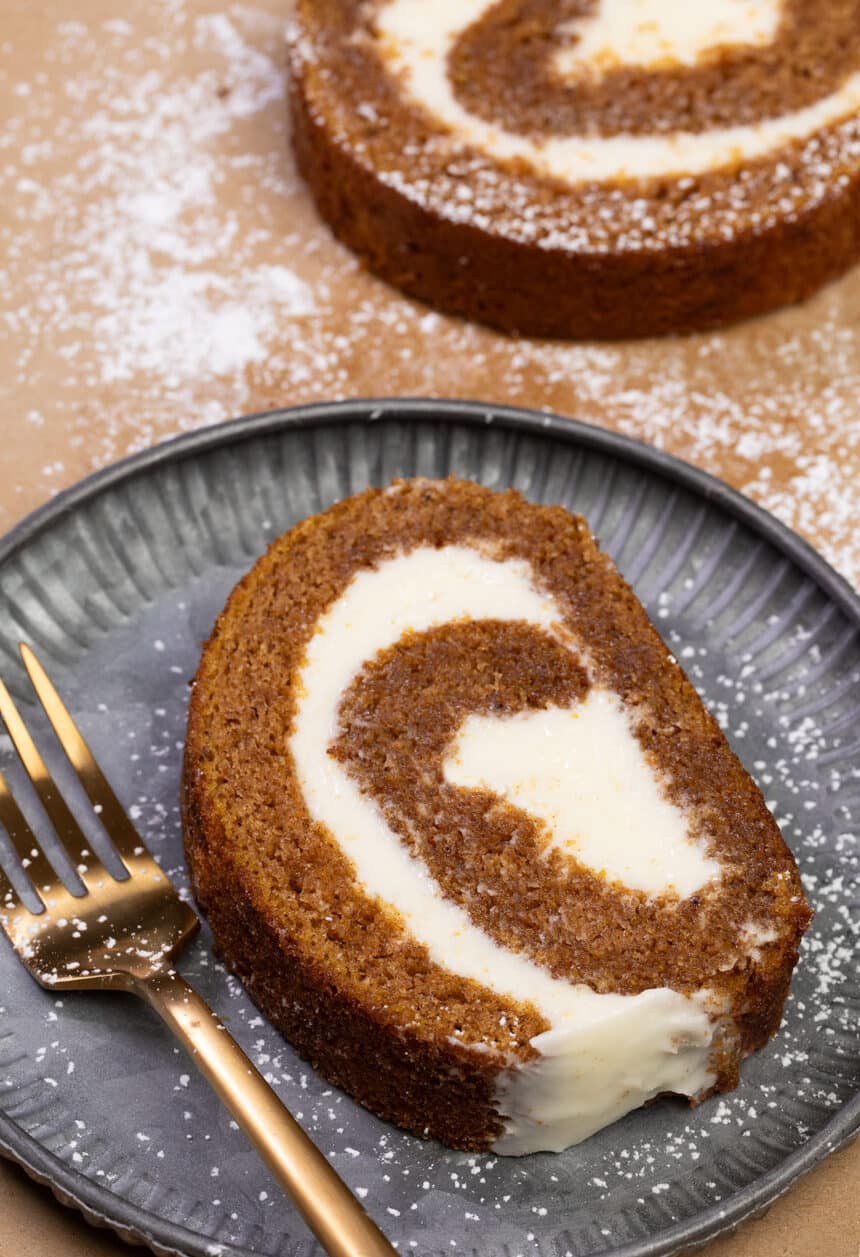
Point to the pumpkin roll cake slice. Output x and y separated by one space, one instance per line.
463 827
585 168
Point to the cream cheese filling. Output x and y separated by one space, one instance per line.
583 774
604 1054
415 39
654 33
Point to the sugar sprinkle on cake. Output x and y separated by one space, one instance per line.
605 169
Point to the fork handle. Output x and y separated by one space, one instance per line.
321 1196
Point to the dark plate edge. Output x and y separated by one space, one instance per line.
131 1222
474 413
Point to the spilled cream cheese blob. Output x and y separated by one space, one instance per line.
415 38
604 1054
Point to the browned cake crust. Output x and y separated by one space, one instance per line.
500 244
333 967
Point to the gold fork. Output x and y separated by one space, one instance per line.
122 935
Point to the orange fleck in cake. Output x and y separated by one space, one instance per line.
464 829
586 168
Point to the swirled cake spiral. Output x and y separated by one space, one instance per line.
465 830
577 168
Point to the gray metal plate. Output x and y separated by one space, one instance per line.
117 582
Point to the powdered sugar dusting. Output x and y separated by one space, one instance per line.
164 268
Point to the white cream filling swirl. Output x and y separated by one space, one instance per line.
604 1054
415 38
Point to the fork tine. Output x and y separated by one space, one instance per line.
10 904
39 869
121 831
15 919
87 864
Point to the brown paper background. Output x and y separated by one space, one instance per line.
163 268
